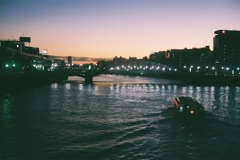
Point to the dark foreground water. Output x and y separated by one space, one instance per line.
118 117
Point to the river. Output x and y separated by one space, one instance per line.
118 117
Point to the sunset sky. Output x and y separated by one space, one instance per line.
109 28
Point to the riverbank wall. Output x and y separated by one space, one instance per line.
31 79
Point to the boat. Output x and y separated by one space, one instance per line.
188 106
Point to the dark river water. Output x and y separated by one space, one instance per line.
118 117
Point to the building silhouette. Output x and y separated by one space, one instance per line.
178 58
70 60
226 48
18 58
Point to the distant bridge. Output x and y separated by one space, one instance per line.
87 71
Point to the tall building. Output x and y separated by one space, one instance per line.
70 60
226 48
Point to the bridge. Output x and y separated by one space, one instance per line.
202 75
86 71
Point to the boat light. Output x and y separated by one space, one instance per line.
191 112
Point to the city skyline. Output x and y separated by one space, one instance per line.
105 29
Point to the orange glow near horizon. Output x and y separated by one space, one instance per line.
105 29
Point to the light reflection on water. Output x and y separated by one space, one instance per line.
117 116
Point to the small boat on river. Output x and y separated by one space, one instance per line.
188 106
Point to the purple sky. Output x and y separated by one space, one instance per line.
109 28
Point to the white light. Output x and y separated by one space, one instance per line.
198 67
163 69
181 109
237 68
206 66
227 68
44 51
184 66
213 67
222 67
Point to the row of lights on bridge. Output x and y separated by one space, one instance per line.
10 65
213 68
143 68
